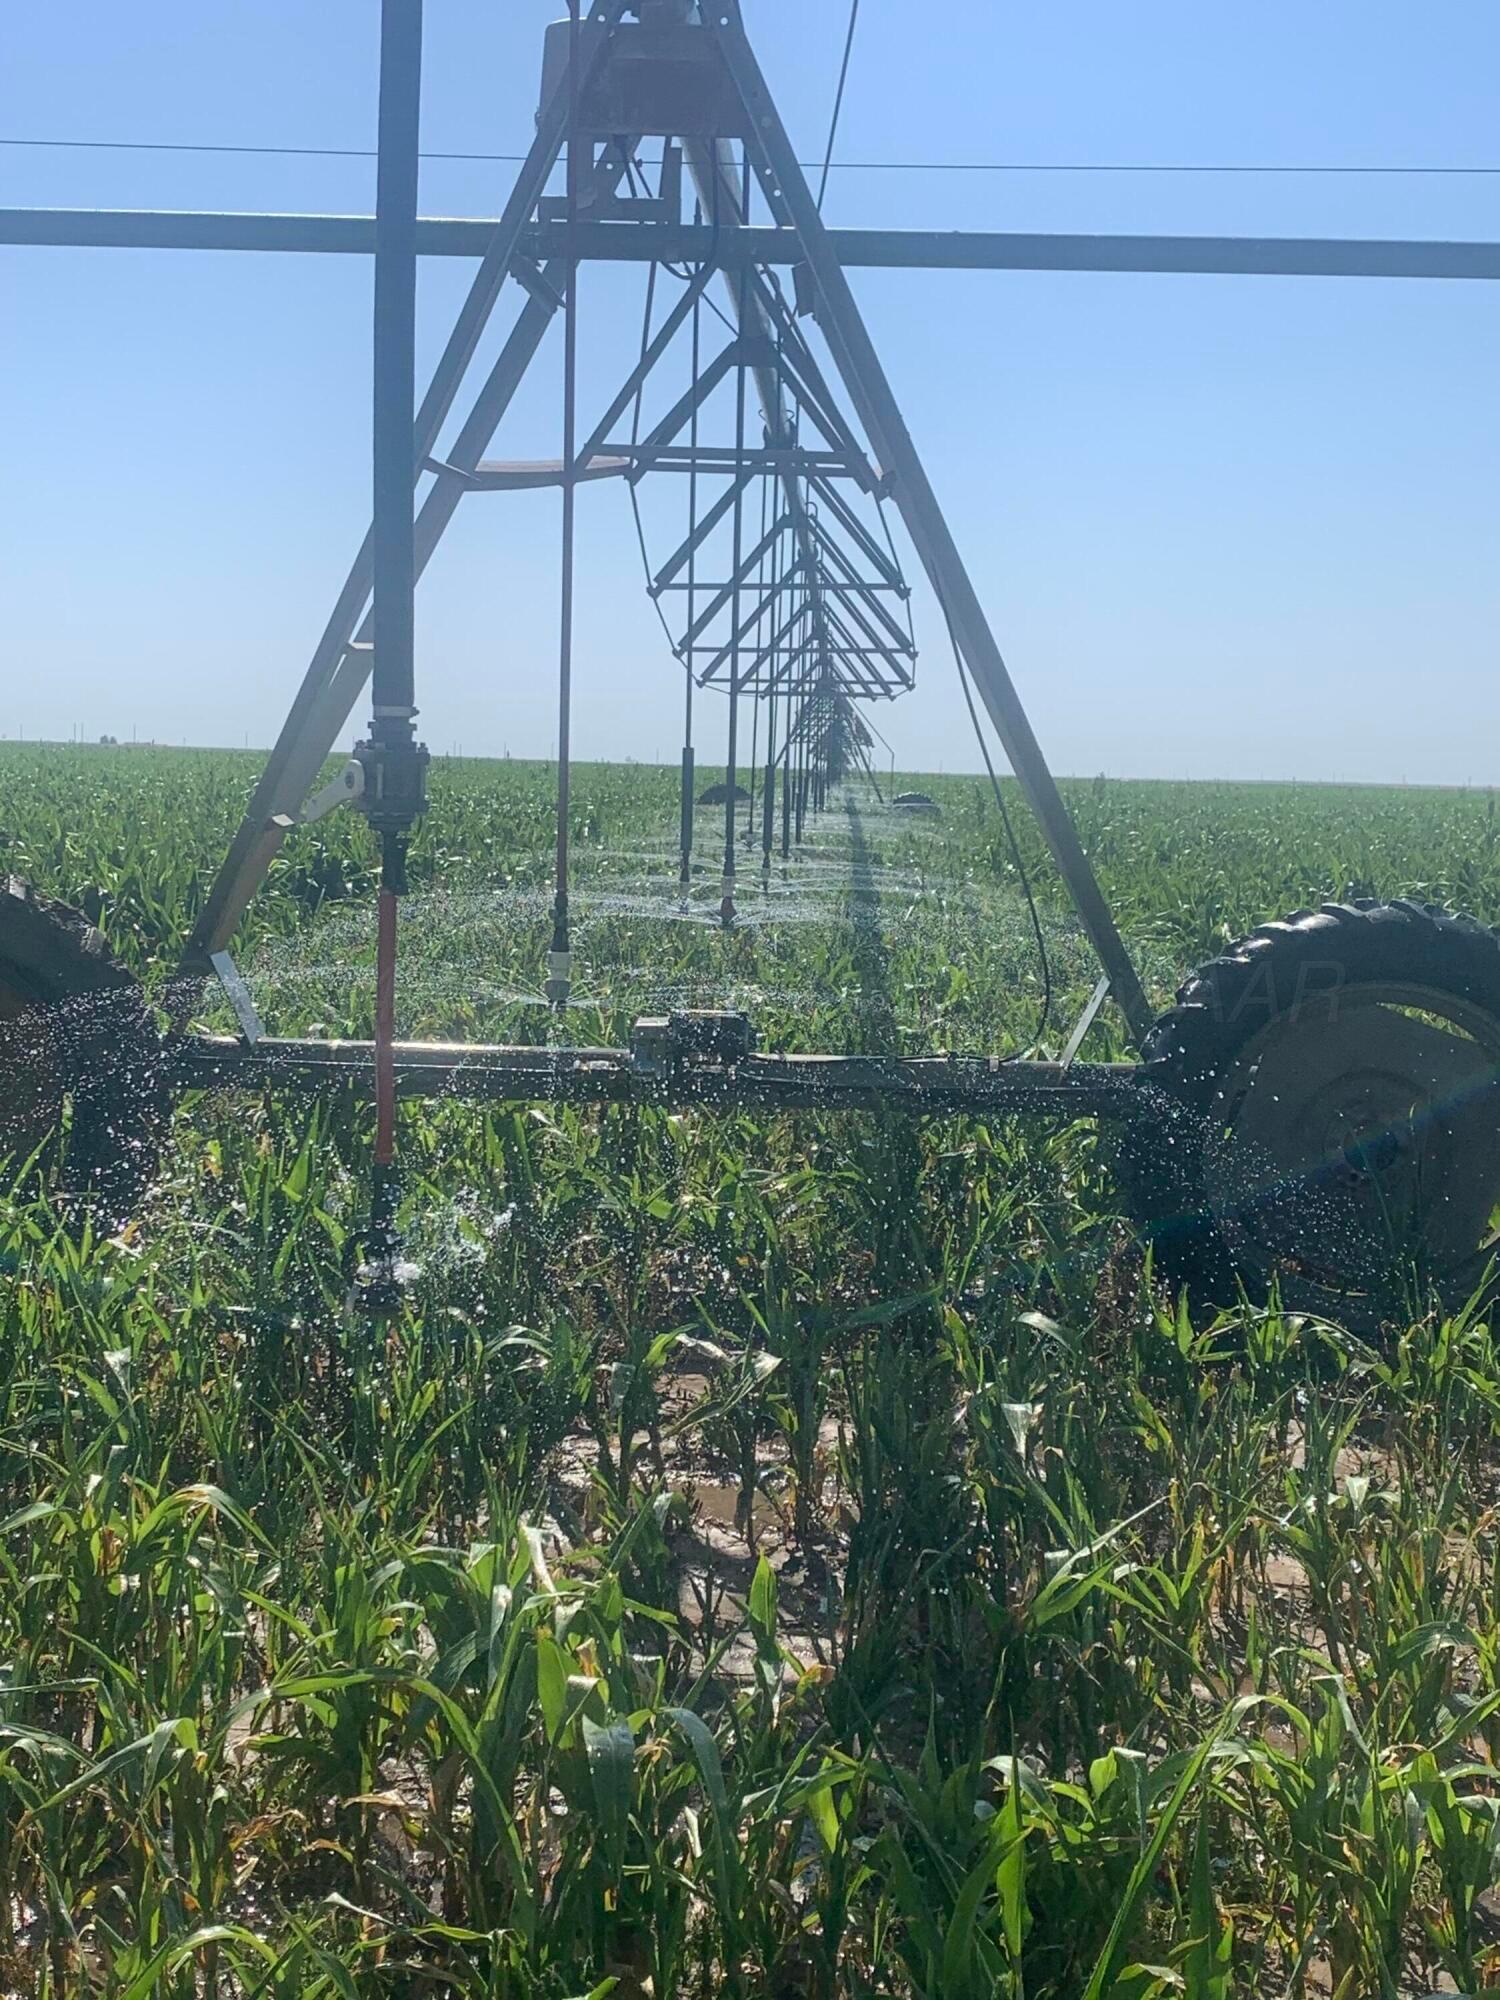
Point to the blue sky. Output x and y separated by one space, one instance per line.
1223 526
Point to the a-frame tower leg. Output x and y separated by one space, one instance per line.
340 665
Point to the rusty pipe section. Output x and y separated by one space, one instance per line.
665 1067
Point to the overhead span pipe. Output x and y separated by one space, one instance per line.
868 249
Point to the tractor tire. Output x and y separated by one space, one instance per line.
81 1079
1320 1117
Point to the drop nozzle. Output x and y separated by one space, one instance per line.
384 1281
559 983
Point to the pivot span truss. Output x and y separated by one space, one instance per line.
756 396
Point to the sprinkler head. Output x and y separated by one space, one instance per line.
385 1279
382 1287
559 981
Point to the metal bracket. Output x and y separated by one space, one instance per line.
533 279
1085 1021
661 1043
233 982
346 789
605 205
534 475
444 470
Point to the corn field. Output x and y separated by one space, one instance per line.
773 1558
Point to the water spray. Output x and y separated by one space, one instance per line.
832 630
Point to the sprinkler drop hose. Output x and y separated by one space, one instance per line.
382 1280
385 1030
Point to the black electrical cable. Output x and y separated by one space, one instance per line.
838 101
1043 957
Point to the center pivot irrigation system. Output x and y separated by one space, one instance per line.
1319 1109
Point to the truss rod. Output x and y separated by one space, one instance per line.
845 586
660 439
698 533
714 174
879 413
730 589
828 495
722 653
337 671
665 335
866 661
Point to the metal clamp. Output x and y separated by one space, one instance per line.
392 791
233 982
662 1044
348 788
1085 1021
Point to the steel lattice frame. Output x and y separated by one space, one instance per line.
820 632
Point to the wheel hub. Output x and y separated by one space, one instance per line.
1346 1149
